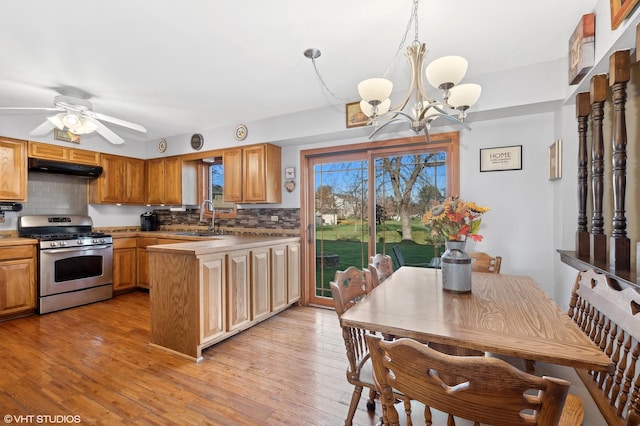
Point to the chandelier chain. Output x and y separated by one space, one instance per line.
324 85
413 20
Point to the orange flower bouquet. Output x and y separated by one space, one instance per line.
454 220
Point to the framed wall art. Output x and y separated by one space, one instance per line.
61 135
620 9
555 160
582 49
501 158
355 116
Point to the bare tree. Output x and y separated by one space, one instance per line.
403 172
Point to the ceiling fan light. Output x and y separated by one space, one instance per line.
465 95
71 121
367 108
56 120
375 90
86 126
447 71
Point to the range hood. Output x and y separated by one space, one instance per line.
59 167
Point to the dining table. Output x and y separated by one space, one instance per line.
503 314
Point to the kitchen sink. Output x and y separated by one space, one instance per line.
197 234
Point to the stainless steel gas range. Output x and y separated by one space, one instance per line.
75 264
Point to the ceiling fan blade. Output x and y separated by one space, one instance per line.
43 129
117 121
34 109
106 133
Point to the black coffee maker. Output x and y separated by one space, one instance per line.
148 221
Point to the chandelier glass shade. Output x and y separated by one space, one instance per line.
444 74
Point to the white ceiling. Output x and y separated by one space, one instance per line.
179 67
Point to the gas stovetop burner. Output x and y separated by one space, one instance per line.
67 236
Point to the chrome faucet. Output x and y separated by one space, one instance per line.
213 213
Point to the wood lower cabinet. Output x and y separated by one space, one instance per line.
125 264
143 260
17 280
279 297
213 321
200 297
13 170
238 289
260 283
293 272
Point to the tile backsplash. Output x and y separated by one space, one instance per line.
287 219
55 194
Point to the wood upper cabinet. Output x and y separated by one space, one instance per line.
232 162
13 170
62 153
252 174
17 280
164 180
121 181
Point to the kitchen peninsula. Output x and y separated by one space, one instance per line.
202 292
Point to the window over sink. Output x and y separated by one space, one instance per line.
213 187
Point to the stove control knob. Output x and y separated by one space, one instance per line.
80 242
63 243
53 244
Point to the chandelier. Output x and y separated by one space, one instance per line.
444 74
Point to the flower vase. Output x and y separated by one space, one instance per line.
456 268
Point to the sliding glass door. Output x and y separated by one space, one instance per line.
372 200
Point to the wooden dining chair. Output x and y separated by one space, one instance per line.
483 262
486 390
347 289
380 267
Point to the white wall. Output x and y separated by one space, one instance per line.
519 226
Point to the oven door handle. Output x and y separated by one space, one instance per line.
68 249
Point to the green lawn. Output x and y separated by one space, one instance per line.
345 241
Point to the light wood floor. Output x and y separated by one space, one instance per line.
94 362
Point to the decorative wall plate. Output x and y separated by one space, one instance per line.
240 132
162 145
197 141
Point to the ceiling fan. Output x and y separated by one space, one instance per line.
78 117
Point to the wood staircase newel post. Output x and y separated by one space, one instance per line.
598 95
583 110
619 76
